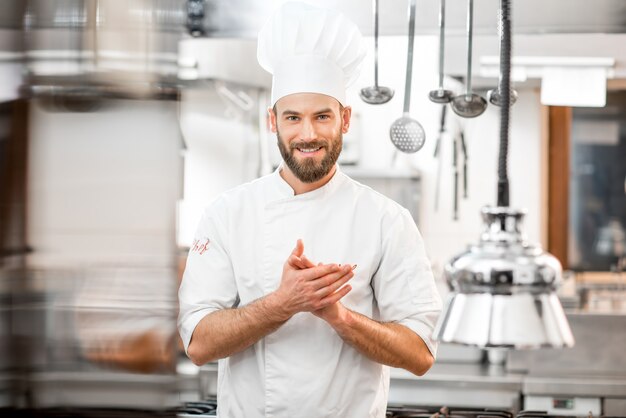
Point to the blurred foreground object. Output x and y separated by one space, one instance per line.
77 51
125 319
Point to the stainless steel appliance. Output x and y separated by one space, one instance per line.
504 288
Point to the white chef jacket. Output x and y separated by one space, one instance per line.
304 369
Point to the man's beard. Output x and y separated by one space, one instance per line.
309 170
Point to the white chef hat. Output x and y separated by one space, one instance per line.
309 49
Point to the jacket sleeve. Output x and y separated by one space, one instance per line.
403 284
208 282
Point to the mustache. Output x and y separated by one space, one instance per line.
310 144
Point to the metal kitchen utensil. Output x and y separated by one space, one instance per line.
465 158
376 94
437 154
469 105
495 97
440 95
455 170
406 133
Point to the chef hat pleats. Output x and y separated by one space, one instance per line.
309 49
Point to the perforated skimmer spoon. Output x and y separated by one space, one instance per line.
469 105
407 135
440 95
376 94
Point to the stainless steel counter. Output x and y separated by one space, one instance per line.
475 385
470 385
103 389
451 384
576 385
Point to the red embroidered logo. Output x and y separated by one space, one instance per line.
200 246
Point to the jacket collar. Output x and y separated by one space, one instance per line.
285 192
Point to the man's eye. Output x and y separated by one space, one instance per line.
323 117
292 118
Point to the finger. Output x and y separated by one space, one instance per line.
332 288
336 297
308 262
319 271
299 248
296 262
332 277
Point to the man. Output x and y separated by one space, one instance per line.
308 335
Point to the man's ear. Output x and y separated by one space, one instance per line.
272 115
345 119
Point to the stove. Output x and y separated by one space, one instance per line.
208 408
542 414
445 412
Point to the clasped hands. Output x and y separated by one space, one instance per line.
307 287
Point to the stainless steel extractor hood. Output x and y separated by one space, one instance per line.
131 48
243 18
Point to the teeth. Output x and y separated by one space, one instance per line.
308 149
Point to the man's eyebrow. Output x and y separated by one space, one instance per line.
295 113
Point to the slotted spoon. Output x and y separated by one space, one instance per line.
407 135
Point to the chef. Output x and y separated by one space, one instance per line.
305 284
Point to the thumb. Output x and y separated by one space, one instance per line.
299 250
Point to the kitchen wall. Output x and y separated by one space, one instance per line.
223 151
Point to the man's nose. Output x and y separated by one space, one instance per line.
308 132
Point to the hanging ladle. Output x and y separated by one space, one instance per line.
376 94
407 135
469 105
440 95
495 97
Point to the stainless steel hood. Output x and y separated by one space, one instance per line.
243 18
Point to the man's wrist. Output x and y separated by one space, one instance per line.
342 320
275 307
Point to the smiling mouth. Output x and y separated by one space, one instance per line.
309 150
